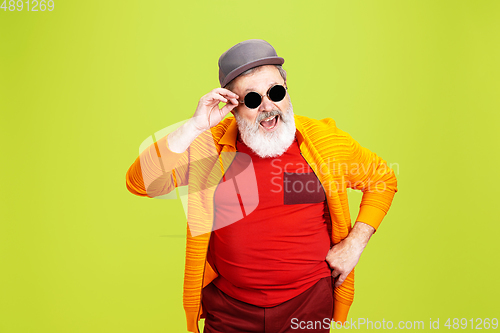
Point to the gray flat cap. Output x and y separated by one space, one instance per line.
245 55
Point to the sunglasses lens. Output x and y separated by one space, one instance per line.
252 100
277 93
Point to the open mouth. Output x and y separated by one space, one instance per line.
270 123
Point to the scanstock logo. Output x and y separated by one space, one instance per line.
201 179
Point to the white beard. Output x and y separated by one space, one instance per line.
271 144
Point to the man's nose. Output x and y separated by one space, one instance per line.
266 105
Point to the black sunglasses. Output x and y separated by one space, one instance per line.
253 99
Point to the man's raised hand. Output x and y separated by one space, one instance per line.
208 114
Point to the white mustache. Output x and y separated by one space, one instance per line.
268 114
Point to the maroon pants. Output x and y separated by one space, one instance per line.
309 312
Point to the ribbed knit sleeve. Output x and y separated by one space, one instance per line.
370 174
157 170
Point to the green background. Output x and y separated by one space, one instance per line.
82 86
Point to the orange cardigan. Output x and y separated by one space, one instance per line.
338 161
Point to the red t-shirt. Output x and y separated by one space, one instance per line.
278 250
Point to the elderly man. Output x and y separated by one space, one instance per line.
270 247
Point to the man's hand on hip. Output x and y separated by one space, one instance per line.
343 256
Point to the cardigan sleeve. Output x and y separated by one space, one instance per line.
157 170
369 173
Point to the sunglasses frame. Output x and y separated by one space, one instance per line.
267 94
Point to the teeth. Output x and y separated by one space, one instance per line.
267 119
